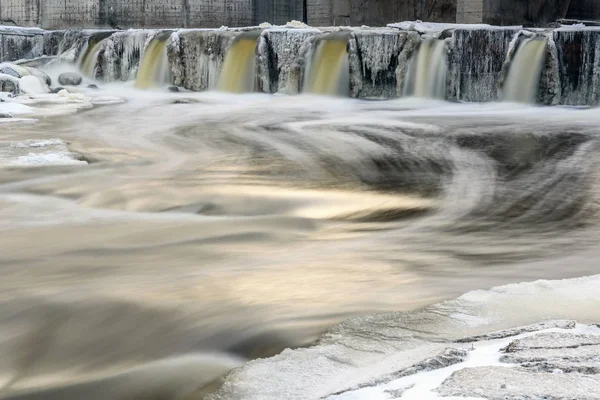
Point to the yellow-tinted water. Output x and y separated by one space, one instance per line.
524 74
87 62
154 66
329 63
237 75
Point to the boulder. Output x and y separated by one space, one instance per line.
9 83
57 89
70 78
40 74
92 86
33 85
13 70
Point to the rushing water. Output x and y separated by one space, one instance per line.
212 228
524 73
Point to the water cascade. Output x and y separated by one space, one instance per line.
328 67
525 70
238 72
428 70
154 67
89 58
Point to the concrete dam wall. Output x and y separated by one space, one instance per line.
64 14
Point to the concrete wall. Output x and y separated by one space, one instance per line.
58 14
469 11
378 12
584 9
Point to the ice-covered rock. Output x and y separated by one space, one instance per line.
13 70
31 84
40 74
9 83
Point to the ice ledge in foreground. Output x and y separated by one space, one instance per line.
423 355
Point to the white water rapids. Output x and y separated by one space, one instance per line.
208 228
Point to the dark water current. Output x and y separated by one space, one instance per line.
232 227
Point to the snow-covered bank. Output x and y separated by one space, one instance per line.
431 353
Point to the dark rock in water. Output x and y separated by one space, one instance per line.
92 86
173 89
5 115
58 89
185 101
9 84
447 33
70 78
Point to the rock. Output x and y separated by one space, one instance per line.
13 70
5 115
92 86
57 89
185 101
33 85
173 89
519 383
9 83
70 78
40 74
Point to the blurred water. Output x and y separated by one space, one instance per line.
234 226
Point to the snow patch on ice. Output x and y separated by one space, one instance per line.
422 386
42 152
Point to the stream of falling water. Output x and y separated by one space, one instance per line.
427 71
154 66
152 245
238 72
327 72
525 70
89 58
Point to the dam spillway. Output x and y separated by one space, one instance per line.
476 58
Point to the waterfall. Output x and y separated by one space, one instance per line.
238 72
525 70
328 66
428 70
154 67
89 58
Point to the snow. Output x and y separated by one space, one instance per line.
296 24
435 27
360 351
14 108
33 85
35 153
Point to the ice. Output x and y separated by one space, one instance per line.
14 108
435 27
359 352
296 24
33 85
32 153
